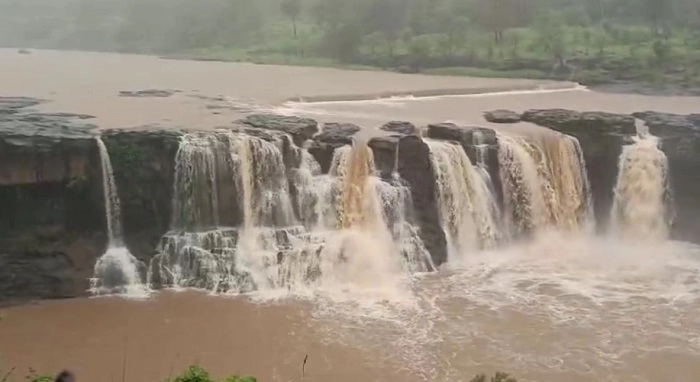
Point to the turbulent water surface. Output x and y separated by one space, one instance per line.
528 289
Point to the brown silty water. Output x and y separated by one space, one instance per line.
562 306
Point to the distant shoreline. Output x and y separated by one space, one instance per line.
608 85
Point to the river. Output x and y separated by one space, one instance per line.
563 307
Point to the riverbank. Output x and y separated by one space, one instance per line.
615 75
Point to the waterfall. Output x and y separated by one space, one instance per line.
545 184
117 270
351 227
641 207
464 199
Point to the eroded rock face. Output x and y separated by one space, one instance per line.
52 226
416 170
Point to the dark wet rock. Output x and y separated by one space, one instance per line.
301 129
337 134
667 124
323 153
385 153
144 170
480 144
157 93
502 116
11 105
52 225
416 170
400 127
332 136
568 120
23 51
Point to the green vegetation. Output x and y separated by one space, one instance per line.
198 374
593 41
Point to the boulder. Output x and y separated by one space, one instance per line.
337 134
502 116
401 127
301 129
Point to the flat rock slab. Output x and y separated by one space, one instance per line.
158 93
400 127
502 116
301 129
337 134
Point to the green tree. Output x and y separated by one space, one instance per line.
552 34
420 48
292 9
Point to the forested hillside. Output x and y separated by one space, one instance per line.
595 41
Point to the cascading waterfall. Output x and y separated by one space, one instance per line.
641 208
342 234
545 184
464 199
117 270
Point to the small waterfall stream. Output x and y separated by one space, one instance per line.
464 199
641 208
545 184
117 270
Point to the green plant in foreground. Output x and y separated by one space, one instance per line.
198 374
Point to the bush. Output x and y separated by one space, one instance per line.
198 374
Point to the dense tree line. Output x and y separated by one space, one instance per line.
414 34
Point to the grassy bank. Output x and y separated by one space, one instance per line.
655 45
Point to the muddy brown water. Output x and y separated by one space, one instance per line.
582 309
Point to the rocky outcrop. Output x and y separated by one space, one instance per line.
52 225
401 127
157 93
502 116
300 129
332 136
385 153
144 169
